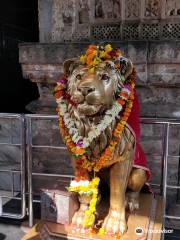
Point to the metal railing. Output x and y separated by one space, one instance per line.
166 123
21 171
165 140
32 174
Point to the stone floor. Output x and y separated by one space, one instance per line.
174 236
11 230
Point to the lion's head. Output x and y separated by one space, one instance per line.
93 93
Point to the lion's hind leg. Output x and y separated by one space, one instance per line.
136 181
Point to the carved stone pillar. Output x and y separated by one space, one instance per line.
42 63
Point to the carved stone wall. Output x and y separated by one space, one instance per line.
109 20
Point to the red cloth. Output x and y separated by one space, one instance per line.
140 160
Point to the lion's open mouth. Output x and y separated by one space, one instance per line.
88 110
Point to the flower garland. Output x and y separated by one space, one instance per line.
97 54
125 100
76 144
110 115
89 188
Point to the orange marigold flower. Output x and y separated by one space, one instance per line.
124 94
89 59
79 151
128 109
57 110
91 51
57 88
58 94
125 118
92 46
121 102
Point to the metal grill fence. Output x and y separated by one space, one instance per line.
26 128
17 141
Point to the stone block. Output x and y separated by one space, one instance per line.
173 171
153 131
137 52
152 9
164 52
45 20
58 206
46 73
132 13
172 8
174 147
10 157
42 182
51 160
55 54
151 146
173 210
6 182
106 10
148 110
160 110
56 19
46 132
49 53
174 131
42 106
159 95
171 199
164 74
10 131
154 164
64 20
141 70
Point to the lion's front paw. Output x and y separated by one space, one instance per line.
115 223
77 224
132 201
77 220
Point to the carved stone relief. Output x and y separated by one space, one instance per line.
152 8
132 8
62 19
83 9
107 9
172 8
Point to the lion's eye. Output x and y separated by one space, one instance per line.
78 76
104 77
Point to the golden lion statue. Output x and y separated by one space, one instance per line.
94 99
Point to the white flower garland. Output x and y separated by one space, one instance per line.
110 115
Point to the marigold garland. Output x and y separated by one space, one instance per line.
93 57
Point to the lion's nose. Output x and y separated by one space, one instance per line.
85 90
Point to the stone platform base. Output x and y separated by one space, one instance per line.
144 224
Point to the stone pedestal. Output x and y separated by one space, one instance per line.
58 206
145 223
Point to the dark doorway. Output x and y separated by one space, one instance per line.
18 23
